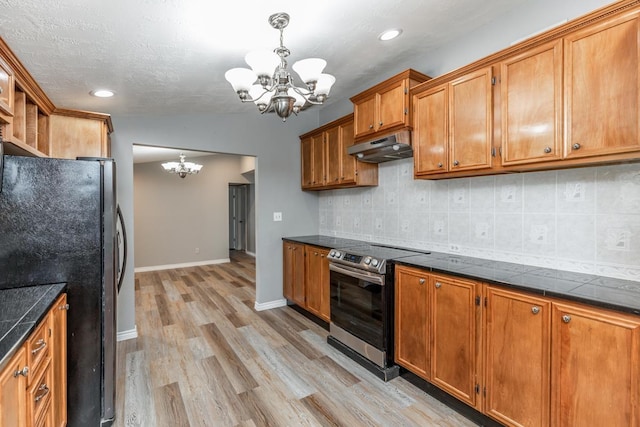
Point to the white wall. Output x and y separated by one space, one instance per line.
277 150
585 220
174 216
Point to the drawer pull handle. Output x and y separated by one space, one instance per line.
576 146
535 309
43 390
24 372
64 307
547 150
41 343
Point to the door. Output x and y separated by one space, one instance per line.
238 201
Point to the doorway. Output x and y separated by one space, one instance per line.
238 216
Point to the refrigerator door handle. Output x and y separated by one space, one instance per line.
121 269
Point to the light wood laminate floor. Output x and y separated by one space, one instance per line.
205 357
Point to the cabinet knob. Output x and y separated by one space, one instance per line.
421 281
456 163
438 284
440 165
576 146
547 150
566 318
64 307
535 309
370 126
380 123
24 372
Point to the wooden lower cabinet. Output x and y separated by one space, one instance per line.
13 392
33 383
412 321
293 272
517 358
317 281
437 330
455 337
595 367
306 277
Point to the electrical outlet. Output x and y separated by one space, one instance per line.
197 250
454 248
277 216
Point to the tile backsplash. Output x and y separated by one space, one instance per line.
585 220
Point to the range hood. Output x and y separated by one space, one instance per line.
390 147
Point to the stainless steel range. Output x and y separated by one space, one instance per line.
362 292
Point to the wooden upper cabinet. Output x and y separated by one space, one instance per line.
385 106
412 320
517 375
431 130
531 100
73 135
365 116
595 365
602 82
470 121
306 154
6 88
455 342
326 163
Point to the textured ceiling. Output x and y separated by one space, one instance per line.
163 56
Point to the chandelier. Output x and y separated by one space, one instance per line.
270 85
182 168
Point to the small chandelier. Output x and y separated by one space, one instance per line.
182 168
270 85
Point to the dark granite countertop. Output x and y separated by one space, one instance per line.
21 309
599 291
328 242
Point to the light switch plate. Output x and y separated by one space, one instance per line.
277 216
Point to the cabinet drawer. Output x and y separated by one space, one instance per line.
39 395
38 348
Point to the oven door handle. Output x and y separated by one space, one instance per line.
362 275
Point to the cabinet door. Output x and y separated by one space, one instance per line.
392 106
6 88
430 131
317 168
298 274
531 89
347 162
595 375
73 137
332 141
306 148
454 332
364 116
59 360
412 321
317 281
518 336
470 121
13 392
601 88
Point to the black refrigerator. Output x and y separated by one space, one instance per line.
59 223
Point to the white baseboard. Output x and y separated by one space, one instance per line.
128 335
250 253
269 305
183 265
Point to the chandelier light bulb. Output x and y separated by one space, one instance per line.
309 69
241 79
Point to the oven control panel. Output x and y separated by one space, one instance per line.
364 262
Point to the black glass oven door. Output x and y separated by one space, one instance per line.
357 303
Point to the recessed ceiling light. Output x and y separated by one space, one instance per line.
102 93
390 34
